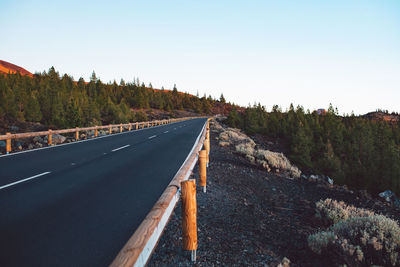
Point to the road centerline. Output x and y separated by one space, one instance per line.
119 148
151 137
24 180
166 132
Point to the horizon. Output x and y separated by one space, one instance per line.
310 54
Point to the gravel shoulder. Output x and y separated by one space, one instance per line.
251 217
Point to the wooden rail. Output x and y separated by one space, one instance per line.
138 125
139 247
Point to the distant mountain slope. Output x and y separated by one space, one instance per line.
6 67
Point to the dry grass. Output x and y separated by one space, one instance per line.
331 211
360 241
246 147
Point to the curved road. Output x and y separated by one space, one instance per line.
77 204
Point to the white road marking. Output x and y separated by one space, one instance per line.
151 137
122 147
174 128
166 132
24 180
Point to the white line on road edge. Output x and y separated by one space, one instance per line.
166 132
152 136
151 243
122 147
24 180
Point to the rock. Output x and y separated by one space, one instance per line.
19 147
387 195
82 136
321 178
38 139
31 146
2 144
390 197
58 139
284 263
38 144
14 128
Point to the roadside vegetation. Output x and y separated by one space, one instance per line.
60 102
355 151
356 237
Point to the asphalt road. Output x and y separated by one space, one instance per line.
78 204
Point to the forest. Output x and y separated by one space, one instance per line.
355 151
61 102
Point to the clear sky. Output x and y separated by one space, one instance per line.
310 53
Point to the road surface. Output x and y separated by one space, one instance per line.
78 204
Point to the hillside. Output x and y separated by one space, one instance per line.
6 67
253 216
51 100
383 116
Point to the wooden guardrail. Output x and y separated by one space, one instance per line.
139 247
136 125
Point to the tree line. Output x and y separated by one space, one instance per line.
60 102
354 151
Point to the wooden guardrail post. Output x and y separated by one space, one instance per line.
120 127
8 144
207 148
76 134
110 130
130 127
136 126
203 169
189 216
95 132
49 138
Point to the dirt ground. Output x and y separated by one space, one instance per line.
250 217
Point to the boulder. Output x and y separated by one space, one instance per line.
390 197
38 139
58 139
14 128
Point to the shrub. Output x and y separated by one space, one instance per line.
332 211
235 136
278 161
360 241
245 149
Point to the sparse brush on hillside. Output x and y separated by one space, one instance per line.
245 146
331 211
352 150
360 241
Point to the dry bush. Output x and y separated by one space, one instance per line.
332 211
223 143
246 149
216 126
245 146
278 161
235 137
360 241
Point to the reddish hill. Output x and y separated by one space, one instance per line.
383 116
6 67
